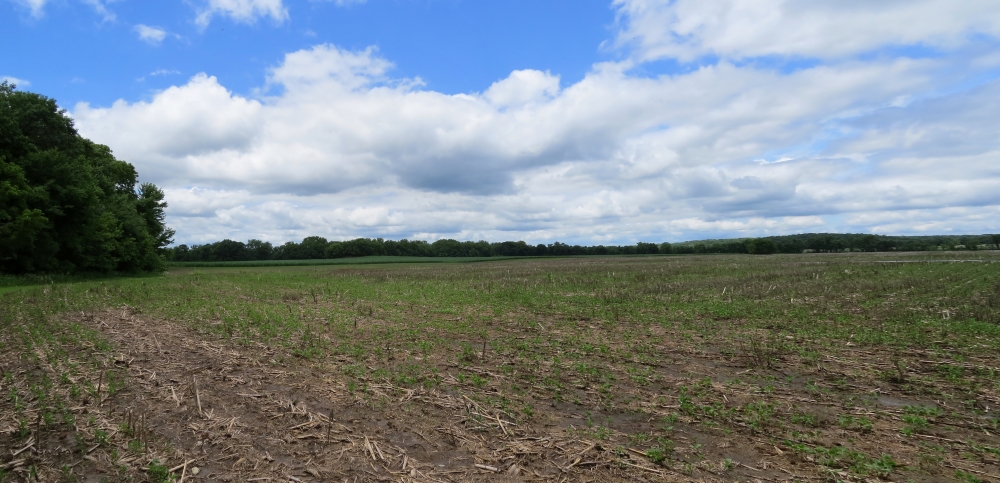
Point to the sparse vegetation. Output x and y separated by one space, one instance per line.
840 367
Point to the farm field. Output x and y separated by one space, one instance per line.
380 260
817 367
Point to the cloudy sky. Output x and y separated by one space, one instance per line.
583 121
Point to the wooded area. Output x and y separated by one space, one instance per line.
316 247
66 204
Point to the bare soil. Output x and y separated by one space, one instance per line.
217 411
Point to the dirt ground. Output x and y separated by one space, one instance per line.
215 411
252 420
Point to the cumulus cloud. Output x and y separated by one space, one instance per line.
333 144
243 11
688 29
181 125
150 35
523 87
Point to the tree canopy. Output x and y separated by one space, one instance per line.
66 204
315 247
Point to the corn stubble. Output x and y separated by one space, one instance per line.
840 367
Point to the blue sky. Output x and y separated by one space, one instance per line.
79 53
587 121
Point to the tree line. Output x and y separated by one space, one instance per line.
316 247
841 242
66 204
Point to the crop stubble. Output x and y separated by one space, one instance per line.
715 368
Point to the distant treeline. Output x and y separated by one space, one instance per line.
315 247
840 242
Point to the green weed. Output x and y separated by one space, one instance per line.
159 473
855 423
661 453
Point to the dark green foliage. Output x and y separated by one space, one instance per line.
66 204
159 472
361 247
760 246
313 248
455 248
259 250
646 248
843 242
231 250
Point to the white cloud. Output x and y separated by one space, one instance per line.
15 81
243 11
736 29
523 87
327 65
101 8
150 35
184 123
333 145
37 7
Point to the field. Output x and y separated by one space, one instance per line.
833 367
381 260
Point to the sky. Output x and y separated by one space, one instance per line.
583 121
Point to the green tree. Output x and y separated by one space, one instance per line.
66 203
259 250
760 246
312 247
229 251
646 248
358 247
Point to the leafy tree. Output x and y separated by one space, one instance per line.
259 250
229 251
359 247
646 248
66 203
312 247
513 249
447 247
407 248
760 246
179 253
288 251
600 250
